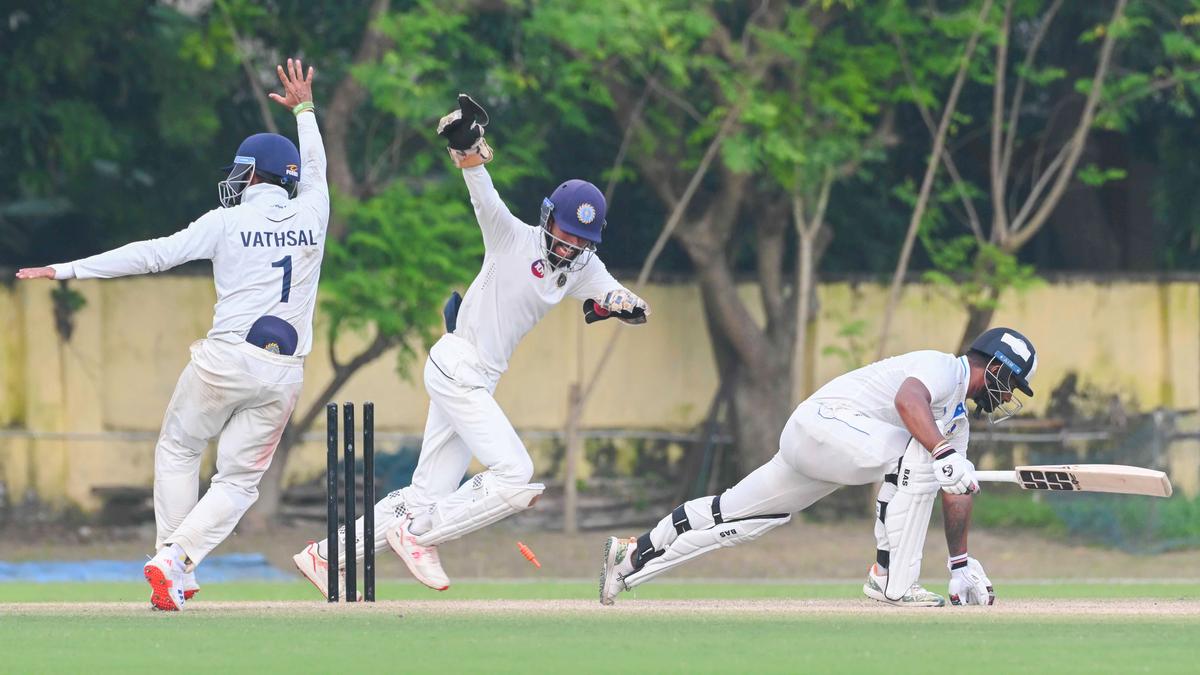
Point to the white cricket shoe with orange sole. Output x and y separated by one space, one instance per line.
190 586
164 573
422 561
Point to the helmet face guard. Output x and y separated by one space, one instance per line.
998 383
579 256
230 190
1011 364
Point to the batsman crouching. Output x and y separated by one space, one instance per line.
902 420
526 271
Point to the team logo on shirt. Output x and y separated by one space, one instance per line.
538 268
586 213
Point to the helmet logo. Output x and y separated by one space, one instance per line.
538 268
586 213
1018 345
292 170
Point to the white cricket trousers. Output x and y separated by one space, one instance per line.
242 394
821 449
464 421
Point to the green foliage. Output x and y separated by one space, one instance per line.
1015 510
973 273
1095 176
854 348
1143 524
1135 523
405 251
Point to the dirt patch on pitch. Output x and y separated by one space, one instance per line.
541 608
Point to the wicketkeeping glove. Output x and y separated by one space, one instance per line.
969 585
954 472
463 131
621 304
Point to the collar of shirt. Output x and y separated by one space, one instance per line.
264 193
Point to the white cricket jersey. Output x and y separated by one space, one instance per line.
871 390
266 251
516 286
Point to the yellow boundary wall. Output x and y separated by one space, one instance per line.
66 406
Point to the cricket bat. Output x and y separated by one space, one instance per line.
1126 480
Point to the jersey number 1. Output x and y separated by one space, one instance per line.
286 263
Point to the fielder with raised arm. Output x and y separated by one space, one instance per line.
902 420
526 271
266 243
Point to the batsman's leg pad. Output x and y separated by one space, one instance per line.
490 502
887 492
907 519
694 543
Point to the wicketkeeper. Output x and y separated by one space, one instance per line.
526 271
902 420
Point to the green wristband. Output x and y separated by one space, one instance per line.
303 107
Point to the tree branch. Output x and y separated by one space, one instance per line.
1077 142
972 216
635 118
347 97
264 112
999 224
771 227
939 143
806 272
1014 111
679 208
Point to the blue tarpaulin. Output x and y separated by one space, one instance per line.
228 567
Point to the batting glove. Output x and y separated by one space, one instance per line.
969 585
954 472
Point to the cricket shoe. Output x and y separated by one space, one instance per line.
422 561
316 570
618 562
916 596
190 586
164 573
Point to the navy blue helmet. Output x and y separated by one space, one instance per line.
578 208
272 155
1017 361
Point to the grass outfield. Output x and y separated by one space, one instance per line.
560 589
556 627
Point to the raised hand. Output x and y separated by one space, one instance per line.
35 273
297 87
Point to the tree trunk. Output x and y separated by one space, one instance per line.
979 319
574 450
761 406
760 397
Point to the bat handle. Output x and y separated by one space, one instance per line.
996 476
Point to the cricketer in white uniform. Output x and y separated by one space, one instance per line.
526 271
243 379
902 420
